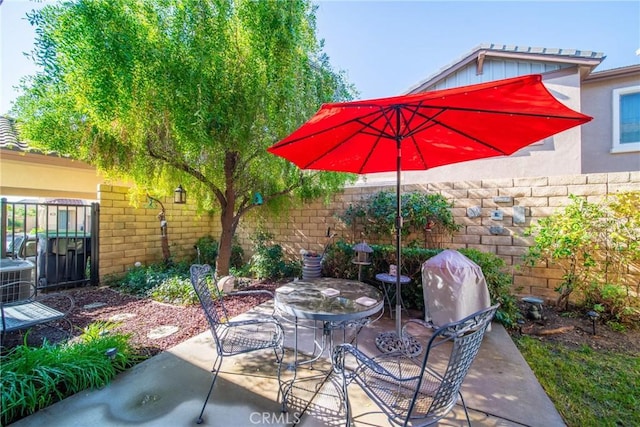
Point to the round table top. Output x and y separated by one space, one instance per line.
387 278
317 299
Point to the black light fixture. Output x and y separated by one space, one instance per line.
179 195
593 316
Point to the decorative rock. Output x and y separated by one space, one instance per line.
519 216
162 331
94 305
121 316
227 283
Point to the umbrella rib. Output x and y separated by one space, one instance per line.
367 125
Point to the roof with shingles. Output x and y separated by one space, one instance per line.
9 136
586 58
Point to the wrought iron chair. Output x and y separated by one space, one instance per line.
22 308
416 391
234 337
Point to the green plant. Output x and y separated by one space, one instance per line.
237 256
33 378
267 261
175 290
207 248
422 213
595 245
142 280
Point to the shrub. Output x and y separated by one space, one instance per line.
163 282
268 261
208 250
33 378
596 245
175 290
375 217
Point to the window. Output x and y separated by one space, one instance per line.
626 119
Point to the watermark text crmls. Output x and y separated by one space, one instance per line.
270 418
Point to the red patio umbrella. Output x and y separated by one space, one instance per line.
426 130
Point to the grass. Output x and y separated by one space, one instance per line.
587 387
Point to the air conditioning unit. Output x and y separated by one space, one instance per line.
14 271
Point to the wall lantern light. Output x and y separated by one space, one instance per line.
179 195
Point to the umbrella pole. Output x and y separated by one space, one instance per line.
388 342
398 239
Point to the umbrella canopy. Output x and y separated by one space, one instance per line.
426 130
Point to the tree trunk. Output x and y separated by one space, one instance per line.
224 248
228 219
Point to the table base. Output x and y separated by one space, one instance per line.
388 342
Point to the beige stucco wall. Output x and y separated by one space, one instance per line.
597 135
37 175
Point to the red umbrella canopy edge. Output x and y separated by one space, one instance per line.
432 128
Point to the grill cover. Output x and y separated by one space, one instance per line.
453 287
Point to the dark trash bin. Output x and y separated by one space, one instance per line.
62 258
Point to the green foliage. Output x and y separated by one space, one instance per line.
175 290
167 283
596 388
337 263
183 91
33 378
375 217
594 244
207 247
268 261
237 256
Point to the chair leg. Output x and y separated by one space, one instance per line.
214 370
347 404
279 360
465 408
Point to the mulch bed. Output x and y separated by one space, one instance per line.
150 323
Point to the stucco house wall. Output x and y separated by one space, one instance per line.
597 135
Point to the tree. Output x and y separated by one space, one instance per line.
163 92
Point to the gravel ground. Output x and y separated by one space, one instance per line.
153 326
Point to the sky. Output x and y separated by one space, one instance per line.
386 47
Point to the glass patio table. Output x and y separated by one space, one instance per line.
327 304
337 303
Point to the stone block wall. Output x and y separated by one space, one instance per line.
520 201
129 234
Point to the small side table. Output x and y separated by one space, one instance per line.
389 288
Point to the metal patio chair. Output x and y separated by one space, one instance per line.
22 308
234 337
416 391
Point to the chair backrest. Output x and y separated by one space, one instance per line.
463 338
201 277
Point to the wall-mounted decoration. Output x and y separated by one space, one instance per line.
503 199
519 215
496 229
497 215
474 211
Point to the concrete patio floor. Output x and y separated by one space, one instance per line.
169 389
